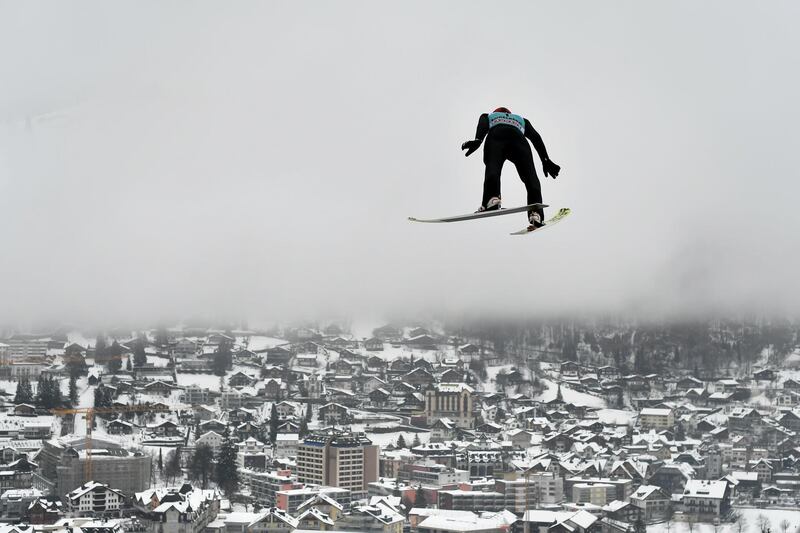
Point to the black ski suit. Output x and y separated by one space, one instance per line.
507 142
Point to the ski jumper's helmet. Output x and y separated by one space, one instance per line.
502 110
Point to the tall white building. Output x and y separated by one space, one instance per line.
338 459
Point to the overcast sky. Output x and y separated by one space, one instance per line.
259 159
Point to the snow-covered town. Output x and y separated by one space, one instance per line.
416 428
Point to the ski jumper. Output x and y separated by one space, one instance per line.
506 135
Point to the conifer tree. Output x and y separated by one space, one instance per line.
227 468
139 354
201 463
173 467
24 393
401 442
73 390
273 423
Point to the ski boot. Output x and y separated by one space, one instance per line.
535 220
492 205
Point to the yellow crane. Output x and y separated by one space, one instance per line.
90 412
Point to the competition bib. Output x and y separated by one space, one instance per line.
509 119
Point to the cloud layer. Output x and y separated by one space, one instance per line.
260 159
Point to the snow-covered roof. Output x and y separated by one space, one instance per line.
703 488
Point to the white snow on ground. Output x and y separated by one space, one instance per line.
775 517
206 381
570 396
615 416
259 342
384 439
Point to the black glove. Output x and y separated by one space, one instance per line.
550 168
471 146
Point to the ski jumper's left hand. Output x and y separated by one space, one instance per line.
550 168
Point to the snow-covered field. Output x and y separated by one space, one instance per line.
570 396
750 523
615 416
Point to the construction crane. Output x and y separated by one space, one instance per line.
90 412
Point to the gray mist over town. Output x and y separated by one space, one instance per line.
216 317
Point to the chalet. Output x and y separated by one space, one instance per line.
345 367
386 332
422 363
279 355
44 511
416 332
286 409
376 364
766 374
469 349
306 360
212 439
272 371
443 429
74 350
636 382
212 425
423 342
339 342
399 366
345 397
94 498
273 520
790 420
160 387
607 372
271 388
688 382
379 397
413 402
452 375
241 414
706 499
240 379
720 398
187 348
216 339
419 377
334 413
653 502
289 427
374 344
558 442
570 369
791 384
520 438
744 420
726 385
167 428
24 409
247 430
620 511
371 383
120 427
764 468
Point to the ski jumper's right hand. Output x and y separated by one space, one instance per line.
471 146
